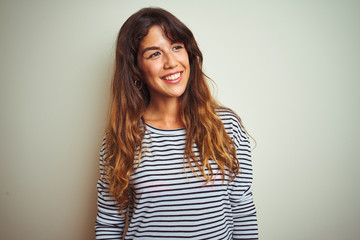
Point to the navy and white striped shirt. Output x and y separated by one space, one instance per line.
170 202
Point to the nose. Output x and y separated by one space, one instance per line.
169 61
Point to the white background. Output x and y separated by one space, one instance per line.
290 69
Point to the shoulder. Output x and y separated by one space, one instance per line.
232 124
227 115
103 149
103 153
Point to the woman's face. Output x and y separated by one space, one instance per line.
165 65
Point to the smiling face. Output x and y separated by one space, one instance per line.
165 65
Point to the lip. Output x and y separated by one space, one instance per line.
173 81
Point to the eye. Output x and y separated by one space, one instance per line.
154 55
178 47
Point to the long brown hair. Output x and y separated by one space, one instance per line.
128 103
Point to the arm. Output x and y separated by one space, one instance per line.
242 205
109 222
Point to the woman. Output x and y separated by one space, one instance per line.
174 162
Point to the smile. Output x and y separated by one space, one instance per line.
172 77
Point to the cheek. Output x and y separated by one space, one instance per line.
186 60
151 70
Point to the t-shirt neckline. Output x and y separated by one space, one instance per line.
176 131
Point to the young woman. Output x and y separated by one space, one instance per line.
174 163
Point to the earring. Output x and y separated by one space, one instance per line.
138 84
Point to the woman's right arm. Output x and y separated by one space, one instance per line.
109 222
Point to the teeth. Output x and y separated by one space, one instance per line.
173 77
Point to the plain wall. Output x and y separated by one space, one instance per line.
290 69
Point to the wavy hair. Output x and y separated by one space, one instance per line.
198 108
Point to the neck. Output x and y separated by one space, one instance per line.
163 114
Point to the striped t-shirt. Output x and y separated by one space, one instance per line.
170 202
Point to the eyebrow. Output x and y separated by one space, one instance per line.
150 48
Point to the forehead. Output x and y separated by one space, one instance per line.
155 36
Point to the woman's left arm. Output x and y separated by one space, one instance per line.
240 191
